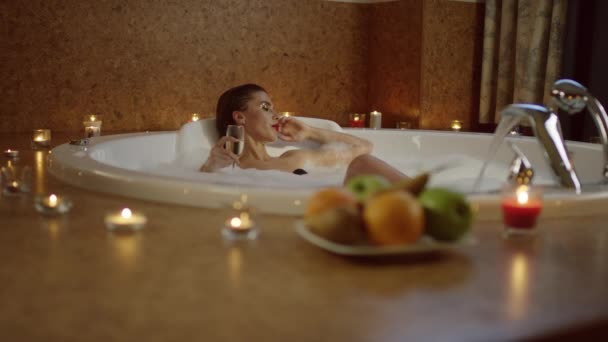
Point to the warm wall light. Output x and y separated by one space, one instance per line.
456 125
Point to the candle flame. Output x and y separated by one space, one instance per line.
456 125
92 118
235 222
53 200
356 118
195 117
522 194
126 213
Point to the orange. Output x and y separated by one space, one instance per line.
329 198
394 218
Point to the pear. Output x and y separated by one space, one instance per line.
341 224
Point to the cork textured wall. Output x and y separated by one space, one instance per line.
451 63
146 65
394 60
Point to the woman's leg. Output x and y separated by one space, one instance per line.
367 164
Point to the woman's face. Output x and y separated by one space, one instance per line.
259 118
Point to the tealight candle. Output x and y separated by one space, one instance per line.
456 125
52 204
520 209
41 139
404 125
11 154
125 221
240 223
375 120
92 126
195 117
13 187
356 120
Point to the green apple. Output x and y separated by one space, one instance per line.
448 214
365 186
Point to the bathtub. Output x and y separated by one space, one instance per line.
163 167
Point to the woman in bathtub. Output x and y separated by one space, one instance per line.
250 106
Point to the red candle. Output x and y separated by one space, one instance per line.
521 211
356 120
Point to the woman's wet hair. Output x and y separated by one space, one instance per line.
233 99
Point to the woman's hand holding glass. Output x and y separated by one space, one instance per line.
291 129
220 156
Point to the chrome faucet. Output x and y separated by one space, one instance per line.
545 125
572 97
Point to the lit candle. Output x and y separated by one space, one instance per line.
356 120
456 125
195 117
92 126
375 120
240 223
521 209
13 187
287 114
41 139
125 220
404 125
52 204
12 154
92 131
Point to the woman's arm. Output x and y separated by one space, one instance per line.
336 147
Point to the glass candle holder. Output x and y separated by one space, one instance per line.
375 120
125 221
356 120
11 188
456 125
41 139
92 126
11 154
52 204
521 206
240 222
404 125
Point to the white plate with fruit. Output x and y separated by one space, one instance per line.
370 217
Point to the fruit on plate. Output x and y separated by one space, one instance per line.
342 225
448 213
365 186
329 198
412 185
393 218
333 213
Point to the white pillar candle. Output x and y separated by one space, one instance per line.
375 120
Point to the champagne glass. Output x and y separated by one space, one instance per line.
236 147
